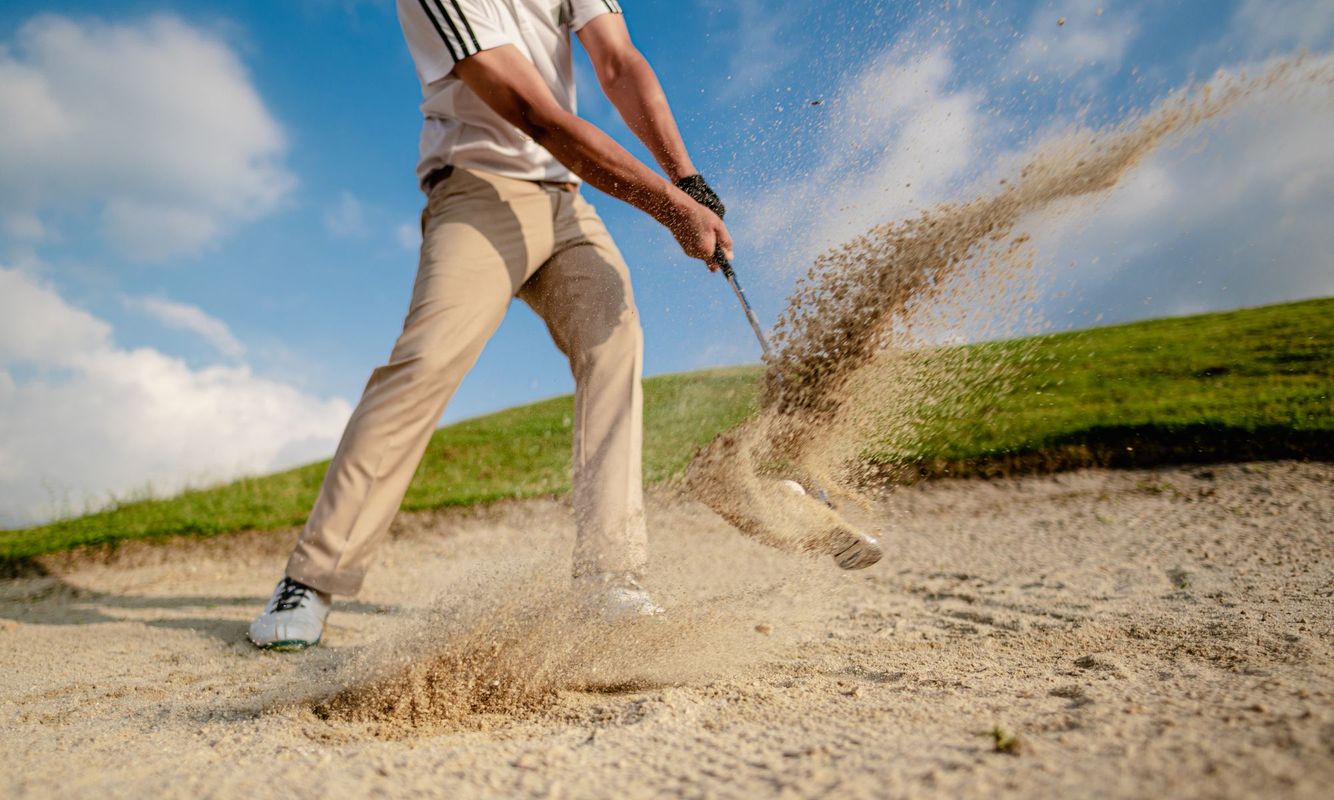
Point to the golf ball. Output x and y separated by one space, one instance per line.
792 487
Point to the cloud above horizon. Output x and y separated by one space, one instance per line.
759 49
191 319
1234 213
897 138
1063 40
84 421
153 127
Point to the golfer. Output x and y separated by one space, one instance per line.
502 158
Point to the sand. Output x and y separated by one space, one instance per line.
1163 633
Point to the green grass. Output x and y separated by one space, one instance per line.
1254 383
1248 384
519 452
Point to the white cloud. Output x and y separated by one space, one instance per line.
758 51
1234 214
24 227
346 218
1262 28
897 137
1268 25
1065 39
37 326
147 231
83 420
409 235
192 319
155 125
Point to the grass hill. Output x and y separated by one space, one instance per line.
1247 384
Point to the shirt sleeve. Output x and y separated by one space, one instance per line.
583 12
441 33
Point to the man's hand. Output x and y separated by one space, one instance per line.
699 190
701 233
631 85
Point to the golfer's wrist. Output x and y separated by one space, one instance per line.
674 207
681 169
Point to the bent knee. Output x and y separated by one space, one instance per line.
439 337
611 340
626 334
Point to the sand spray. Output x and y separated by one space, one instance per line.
857 357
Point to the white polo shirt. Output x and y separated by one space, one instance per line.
459 127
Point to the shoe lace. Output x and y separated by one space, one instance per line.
291 594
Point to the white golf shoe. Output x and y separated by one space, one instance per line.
293 619
615 598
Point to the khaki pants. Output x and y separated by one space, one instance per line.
487 239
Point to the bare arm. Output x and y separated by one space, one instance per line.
512 87
632 86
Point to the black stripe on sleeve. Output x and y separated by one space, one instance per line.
477 46
434 24
463 44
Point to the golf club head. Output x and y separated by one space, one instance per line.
859 550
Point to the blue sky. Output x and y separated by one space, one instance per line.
208 210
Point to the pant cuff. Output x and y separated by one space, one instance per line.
341 583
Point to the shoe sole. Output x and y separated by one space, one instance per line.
598 613
292 646
288 645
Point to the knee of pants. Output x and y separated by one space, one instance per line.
438 335
619 343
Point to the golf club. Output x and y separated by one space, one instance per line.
725 264
730 274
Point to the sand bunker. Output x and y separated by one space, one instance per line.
1140 632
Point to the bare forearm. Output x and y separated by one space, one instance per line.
633 87
508 83
604 164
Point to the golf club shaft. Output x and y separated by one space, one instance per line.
725 265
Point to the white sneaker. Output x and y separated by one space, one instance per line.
293 619
616 598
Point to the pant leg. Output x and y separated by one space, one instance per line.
583 294
482 238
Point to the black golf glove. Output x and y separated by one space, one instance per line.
700 192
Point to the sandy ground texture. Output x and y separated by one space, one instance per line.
1153 633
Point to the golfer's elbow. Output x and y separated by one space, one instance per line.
540 120
545 125
621 64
